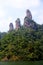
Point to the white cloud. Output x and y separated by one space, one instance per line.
30 3
18 4
3 25
2 14
40 19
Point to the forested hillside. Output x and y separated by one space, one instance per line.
22 44
2 34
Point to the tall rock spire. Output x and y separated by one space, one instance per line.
28 14
28 22
27 19
11 28
18 25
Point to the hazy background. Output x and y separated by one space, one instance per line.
10 10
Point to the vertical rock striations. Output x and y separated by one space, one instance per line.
11 28
18 25
27 19
28 14
28 22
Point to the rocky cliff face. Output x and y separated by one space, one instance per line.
28 22
28 14
11 27
18 25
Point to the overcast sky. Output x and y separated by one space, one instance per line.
10 10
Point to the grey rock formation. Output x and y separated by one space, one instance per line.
27 19
28 22
11 28
28 14
18 25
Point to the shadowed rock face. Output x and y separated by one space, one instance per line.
18 25
11 27
27 19
28 14
28 22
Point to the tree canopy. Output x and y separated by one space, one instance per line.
22 44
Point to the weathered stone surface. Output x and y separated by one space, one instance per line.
28 22
11 27
18 25
27 19
28 14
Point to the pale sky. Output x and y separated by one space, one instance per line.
10 10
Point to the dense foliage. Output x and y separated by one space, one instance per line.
2 34
22 44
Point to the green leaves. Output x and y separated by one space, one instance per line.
25 43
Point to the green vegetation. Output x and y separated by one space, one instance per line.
2 34
22 63
25 44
